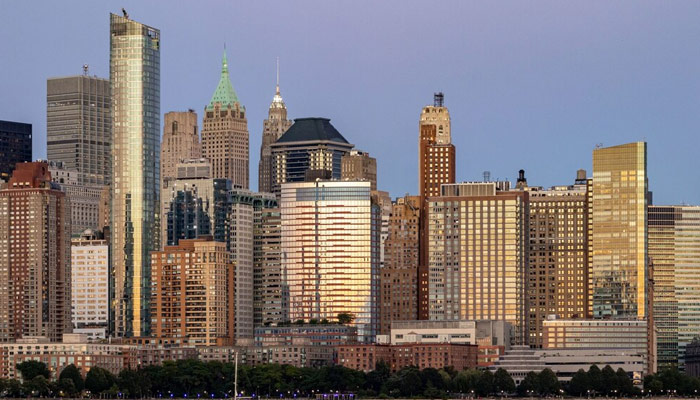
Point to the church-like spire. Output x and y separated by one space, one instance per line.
277 101
224 93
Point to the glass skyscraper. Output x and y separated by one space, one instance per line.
330 252
619 225
135 83
674 254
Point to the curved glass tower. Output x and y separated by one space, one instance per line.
134 70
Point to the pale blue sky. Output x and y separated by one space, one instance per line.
532 85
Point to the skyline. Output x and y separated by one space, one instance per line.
547 78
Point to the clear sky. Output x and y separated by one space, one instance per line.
531 85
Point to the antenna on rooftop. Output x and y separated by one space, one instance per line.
438 99
598 145
85 69
126 15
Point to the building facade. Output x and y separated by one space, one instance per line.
330 252
310 148
558 255
619 231
477 247
134 70
180 142
274 127
89 257
271 297
225 133
79 126
399 274
193 292
35 262
674 254
15 146
359 166
436 166
364 357
89 203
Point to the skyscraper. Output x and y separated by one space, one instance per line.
310 148
330 252
192 292
558 255
436 166
477 251
90 284
619 231
135 81
35 299
180 142
271 294
399 274
79 126
15 146
674 254
225 133
273 128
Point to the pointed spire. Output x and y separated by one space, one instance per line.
277 101
224 93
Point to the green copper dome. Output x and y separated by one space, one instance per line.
224 92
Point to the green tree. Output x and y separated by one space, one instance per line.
38 386
345 318
595 379
579 384
67 388
31 368
547 383
609 380
71 372
466 381
486 384
654 385
624 383
503 381
529 385
98 380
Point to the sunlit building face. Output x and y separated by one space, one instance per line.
135 80
330 252
619 231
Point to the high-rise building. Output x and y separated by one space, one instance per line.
193 204
330 252
180 142
225 133
436 166
245 210
35 299
399 274
88 202
134 70
477 249
359 166
311 148
192 292
90 284
619 231
674 254
79 126
15 146
274 127
558 254
271 293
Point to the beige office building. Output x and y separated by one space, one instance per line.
274 127
225 133
359 166
477 252
330 252
90 284
180 142
193 292
619 231
558 254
